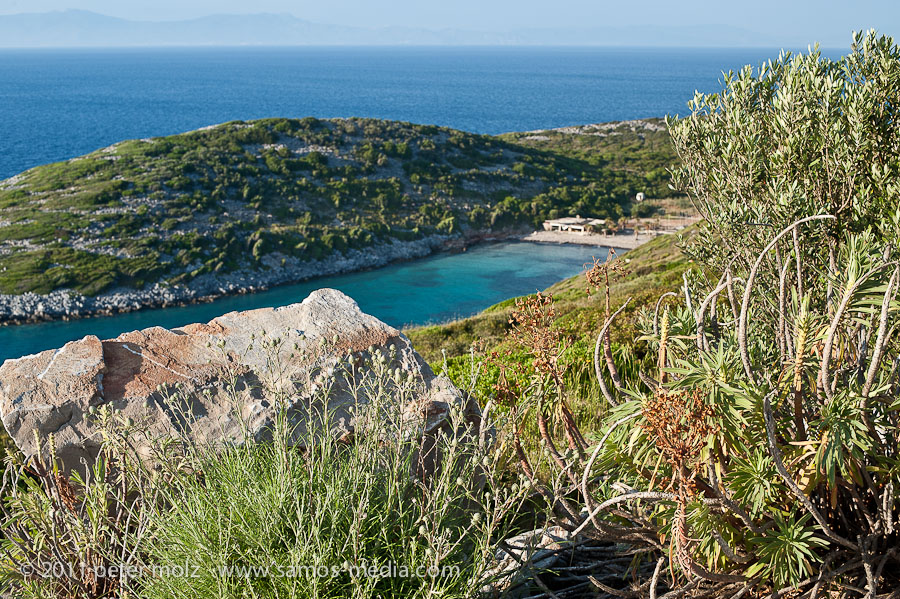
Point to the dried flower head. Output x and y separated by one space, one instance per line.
680 424
598 273
532 328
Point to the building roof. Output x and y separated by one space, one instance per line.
575 220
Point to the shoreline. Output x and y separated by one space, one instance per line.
65 305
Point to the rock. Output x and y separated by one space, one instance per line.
540 549
272 355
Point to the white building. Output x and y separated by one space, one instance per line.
570 223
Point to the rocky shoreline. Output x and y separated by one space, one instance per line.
65 304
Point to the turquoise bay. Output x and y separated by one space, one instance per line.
433 289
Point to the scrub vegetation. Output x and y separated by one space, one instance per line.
250 195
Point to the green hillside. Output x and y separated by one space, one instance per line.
248 195
463 346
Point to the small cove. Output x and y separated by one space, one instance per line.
433 289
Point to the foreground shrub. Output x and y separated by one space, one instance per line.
332 520
759 455
800 135
63 534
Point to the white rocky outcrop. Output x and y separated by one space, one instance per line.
306 356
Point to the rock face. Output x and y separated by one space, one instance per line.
222 381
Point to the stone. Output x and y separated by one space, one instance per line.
223 381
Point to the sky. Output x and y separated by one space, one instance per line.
823 20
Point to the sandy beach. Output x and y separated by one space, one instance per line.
625 241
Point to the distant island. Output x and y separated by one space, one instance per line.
243 206
81 28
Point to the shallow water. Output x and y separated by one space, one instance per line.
433 289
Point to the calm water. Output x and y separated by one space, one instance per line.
56 104
432 289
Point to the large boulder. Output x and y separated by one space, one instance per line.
227 378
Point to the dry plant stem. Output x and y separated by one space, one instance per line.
655 580
825 565
573 433
881 337
528 564
884 561
728 502
609 590
751 278
847 567
783 333
687 293
702 343
607 344
775 454
551 448
684 590
832 270
727 549
597 369
647 495
781 270
798 262
731 299
522 457
868 568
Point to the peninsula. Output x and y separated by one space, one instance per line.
243 206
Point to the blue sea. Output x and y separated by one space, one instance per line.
57 104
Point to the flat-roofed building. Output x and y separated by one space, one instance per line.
573 223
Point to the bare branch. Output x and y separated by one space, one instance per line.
835 323
597 369
881 337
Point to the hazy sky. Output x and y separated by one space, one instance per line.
805 19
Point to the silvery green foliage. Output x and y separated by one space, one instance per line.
799 135
761 455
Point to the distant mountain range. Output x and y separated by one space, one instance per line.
78 28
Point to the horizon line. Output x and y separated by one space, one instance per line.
418 46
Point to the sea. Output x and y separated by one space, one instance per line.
57 104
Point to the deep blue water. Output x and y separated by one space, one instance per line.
56 104
437 288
